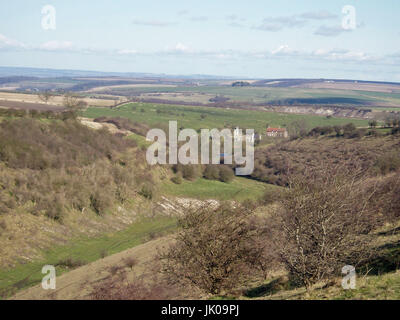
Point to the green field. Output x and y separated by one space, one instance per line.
209 117
85 250
239 189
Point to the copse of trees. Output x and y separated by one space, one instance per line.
241 84
37 114
223 173
373 123
218 172
392 121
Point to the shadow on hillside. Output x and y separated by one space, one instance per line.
391 232
387 260
276 285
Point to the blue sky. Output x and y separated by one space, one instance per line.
253 38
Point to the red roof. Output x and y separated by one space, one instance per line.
276 130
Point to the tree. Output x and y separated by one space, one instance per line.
349 130
390 121
45 96
325 222
215 249
73 104
298 129
373 123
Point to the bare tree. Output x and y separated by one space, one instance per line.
73 104
45 96
325 225
215 249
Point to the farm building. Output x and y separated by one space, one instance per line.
277 132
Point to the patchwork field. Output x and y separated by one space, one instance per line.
210 117
343 95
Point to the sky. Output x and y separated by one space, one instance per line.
351 39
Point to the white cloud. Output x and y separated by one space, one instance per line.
127 51
178 48
331 31
235 24
234 17
318 15
343 55
56 45
279 23
199 18
153 23
275 24
284 50
6 42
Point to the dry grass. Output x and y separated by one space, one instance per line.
56 100
81 283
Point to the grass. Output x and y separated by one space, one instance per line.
191 117
84 250
239 189
141 141
382 287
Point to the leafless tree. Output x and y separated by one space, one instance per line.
325 225
73 103
45 96
215 249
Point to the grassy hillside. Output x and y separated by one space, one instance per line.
239 189
82 251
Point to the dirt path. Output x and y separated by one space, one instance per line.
77 284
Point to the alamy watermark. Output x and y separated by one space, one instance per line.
49 280
49 17
349 21
349 280
189 153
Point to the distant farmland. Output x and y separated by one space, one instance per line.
262 95
209 117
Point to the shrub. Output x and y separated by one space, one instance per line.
214 249
177 179
103 253
388 163
70 263
211 172
146 191
130 262
226 174
386 199
189 172
100 201
349 130
324 226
